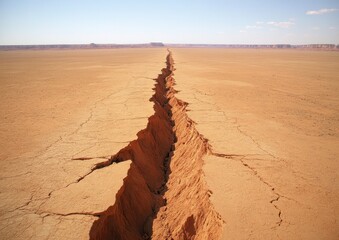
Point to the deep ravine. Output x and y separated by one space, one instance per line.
164 195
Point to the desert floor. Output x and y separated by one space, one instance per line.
268 171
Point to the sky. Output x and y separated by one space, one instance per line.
175 21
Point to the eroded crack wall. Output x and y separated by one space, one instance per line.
164 195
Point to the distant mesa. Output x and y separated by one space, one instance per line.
157 44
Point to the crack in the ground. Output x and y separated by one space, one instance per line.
255 173
143 194
238 127
61 138
256 142
44 200
47 214
91 158
23 205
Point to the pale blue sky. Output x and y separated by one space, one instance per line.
175 21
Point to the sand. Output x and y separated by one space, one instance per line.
271 118
233 144
61 105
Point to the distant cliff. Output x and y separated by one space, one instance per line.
282 46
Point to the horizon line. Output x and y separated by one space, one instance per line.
164 44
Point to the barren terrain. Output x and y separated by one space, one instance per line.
271 118
62 105
187 144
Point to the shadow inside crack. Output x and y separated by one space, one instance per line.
142 194
139 210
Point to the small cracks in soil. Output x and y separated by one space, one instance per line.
90 158
255 173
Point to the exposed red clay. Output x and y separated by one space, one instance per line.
164 195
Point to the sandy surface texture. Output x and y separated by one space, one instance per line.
186 144
271 118
61 105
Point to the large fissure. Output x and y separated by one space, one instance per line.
164 195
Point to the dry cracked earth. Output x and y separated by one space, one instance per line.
221 144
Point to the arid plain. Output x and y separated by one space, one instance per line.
195 144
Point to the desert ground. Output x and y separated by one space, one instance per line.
195 143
